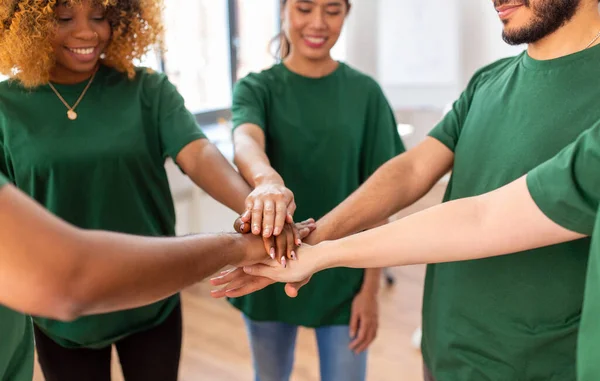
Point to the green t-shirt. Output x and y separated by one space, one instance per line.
16 340
324 136
512 317
104 170
567 190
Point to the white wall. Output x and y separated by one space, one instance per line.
479 43
479 31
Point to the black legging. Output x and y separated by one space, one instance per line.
145 356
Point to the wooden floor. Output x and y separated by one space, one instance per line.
215 344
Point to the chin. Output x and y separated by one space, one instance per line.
317 56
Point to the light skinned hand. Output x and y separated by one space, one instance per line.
268 208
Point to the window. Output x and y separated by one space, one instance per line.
257 23
197 58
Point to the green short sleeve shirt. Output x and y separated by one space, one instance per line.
104 170
324 136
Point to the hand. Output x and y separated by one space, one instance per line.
284 246
237 283
364 321
296 271
268 207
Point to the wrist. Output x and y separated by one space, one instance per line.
321 233
238 252
267 178
372 281
369 289
322 261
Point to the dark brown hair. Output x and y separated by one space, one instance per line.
282 49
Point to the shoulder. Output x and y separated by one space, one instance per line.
495 69
356 78
263 79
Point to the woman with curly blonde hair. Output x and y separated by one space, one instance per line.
86 134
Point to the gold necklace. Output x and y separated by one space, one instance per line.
594 40
71 114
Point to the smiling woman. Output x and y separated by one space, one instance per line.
28 55
86 134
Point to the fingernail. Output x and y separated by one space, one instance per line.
256 229
272 253
298 242
283 262
277 231
266 232
293 255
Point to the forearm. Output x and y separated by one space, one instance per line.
391 188
117 271
49 268
253 163
372 277
215 175
371 281
501 222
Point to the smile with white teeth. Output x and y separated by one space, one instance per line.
82 51
315 40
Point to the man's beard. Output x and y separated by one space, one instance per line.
549 15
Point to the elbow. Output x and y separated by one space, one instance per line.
68 291
59 303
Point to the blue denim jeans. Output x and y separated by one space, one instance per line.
273 345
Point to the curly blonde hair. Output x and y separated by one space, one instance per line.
26 26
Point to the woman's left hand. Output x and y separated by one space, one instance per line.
364 321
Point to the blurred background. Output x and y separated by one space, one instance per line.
422 53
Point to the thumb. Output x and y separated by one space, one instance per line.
241 226
353 324
291 289
260 270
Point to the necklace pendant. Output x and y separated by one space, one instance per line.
72 115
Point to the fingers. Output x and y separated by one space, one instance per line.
362 343
281 243
354 319
291 209
240 226
228 276
255 284
367 330
269 243
247 215
268 218
257 216
296 234
292 289
291 246
280 217
261 270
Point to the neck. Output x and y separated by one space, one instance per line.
571 38
310 68
63 76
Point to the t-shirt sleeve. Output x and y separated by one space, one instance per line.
567 187
448 130
177 126
249 104
381 141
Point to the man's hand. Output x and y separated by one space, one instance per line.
364 321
